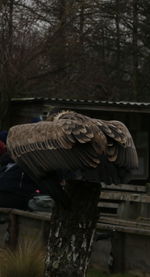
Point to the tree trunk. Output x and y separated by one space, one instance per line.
117 20
72 232
135 49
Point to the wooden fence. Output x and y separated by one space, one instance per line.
124 217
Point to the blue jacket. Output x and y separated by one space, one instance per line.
13 179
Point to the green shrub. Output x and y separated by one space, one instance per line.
26 261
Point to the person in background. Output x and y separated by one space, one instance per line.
3 136
3 148
4 156
16 188
36 119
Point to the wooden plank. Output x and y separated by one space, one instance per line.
124 187
120 228
13 231
108 205
103 214
110 213
125 222
5 210
125 196
35 215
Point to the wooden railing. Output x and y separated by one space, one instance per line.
117 200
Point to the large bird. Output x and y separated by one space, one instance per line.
71 145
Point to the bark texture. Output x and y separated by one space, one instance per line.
72 232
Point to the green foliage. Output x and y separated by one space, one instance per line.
26 260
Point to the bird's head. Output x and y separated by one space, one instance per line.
56 113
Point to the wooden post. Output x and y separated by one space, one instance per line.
13 230
72 232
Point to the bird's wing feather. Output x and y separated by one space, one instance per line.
70 141
46 146
119 147
126 151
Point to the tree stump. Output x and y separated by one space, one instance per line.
72 232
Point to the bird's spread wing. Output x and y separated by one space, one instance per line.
47 145
70 141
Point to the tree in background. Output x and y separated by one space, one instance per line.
74 49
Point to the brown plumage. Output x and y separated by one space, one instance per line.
69 141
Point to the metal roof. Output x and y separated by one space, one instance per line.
89 104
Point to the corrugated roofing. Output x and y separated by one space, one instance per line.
81 101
